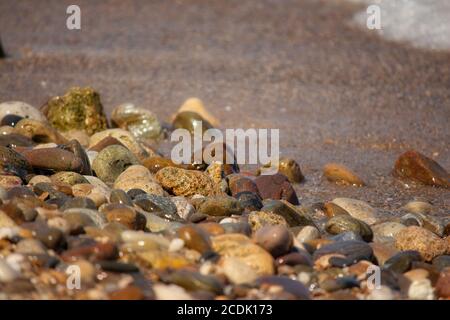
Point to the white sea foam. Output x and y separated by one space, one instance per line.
422 23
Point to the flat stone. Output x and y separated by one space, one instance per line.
357 209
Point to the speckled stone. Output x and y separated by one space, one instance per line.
187 183
427 243
112 161
138 177
79 108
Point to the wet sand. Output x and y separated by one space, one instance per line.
336 92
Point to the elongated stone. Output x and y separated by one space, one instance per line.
53 159
415 166
38 131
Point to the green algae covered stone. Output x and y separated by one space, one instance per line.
78 109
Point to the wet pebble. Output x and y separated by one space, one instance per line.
240 247
142 123
417 167
218 206
276 187
277 240
342 223
138 177
112 161
293 215
357 209
340 174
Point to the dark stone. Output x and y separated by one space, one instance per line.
250 201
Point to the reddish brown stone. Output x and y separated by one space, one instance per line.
97 251
443 284
53 159
128 293
415 166
102 144
276 187
239 183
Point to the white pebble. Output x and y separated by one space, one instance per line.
421 290
176 245
7 273
170 292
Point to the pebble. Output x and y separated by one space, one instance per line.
124 137
402 261
239 246
300 257
293 215
357 209
164 260
53 159
441 262
30 246
78 109
308 233
176 245
21 109
76 148
249 201
170 292
443 284
79 202
149 240
155 163
295 288
181 182
122 214
218 206
38 131
112 161
290 168
14 140
197 106
386 231
120 196
189 120
259 219
138 177
277 240
195 238
7 273
9 182
237 272
343 223
276 187
417 167
424 220
420 207
184 208
162 206
82 217
194 281
353 251
421 290
67 177
238 183
427 243
96 194
340 174
12 162
142 123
